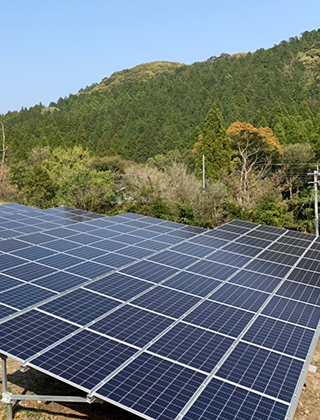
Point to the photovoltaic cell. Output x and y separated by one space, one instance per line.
221 400
300 292
148 376
21 336
212 269
132 325
5 311
150 271
7 283
220 318
166 301
304 276
292 311
280 336
192 346
192 283
262 370
240 297
25 295
119 286
60 281
29 271
102 356
255 281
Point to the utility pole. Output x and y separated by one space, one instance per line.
203 174
315 186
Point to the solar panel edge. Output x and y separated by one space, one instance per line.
297 394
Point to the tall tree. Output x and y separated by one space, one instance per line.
214 145
253 149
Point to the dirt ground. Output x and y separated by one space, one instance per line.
33 382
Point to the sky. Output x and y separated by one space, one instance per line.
50 49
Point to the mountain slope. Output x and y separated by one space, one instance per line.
156 107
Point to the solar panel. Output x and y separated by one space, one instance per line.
165 320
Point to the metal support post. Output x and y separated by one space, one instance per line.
203 174
5 386
315 186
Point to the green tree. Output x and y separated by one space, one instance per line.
38 189
214 144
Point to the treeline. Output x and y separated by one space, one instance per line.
249 175
158 107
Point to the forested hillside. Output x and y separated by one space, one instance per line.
157 107
135 141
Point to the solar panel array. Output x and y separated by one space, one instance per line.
165 320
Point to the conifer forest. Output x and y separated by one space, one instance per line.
135 141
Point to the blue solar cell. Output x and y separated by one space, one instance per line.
249 240
255 281
128 239
228 236
84 238
192 249
61 261
132 325
212 269
278 257
114 260
168 239
267 267
119 286
292 241
101 355
38 238
60 281
80 306
12 245
137 223
61 232
122 228
135 252
149 271
152 386
213 243
173 259
108 245
159 229
7 283
61 245
262 370
240 296
5 234
8 261
221 400
103 234
90 269
220 318
182 234
21 336
152 245
280 336
86 252
33 253
229 258
192 283
144 234
287 249
242 249
292 311
5 311
29 271
166 301
304 276
192 346
301 292
25 295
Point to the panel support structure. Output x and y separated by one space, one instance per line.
5 386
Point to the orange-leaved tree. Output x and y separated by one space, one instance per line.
253 149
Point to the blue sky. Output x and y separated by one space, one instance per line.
51 49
